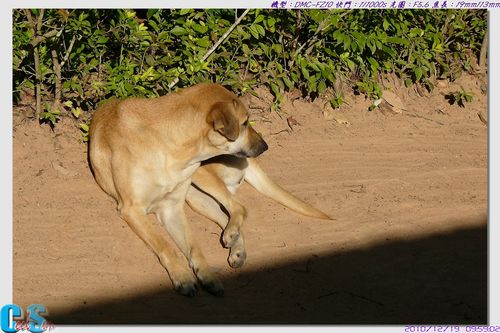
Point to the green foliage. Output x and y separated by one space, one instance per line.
50 115
460 97
337 101
84 128
120 53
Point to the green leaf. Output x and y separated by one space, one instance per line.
76 112
246 49
280 83
288 83
178 31
278 48
398 40
312 84
374 64
260 30
315 67
163 36
305 72
185 11
338 35
359 39
151 12
259 18
275 89
350 64
303 62
389 51
371 45
253 31
279 67
102 40
200 28
84 127
418 73
203 42
385 24
416 32
347 42
321 86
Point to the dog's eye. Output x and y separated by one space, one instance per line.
245 123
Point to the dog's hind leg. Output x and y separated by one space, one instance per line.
211 184
206 205
170 212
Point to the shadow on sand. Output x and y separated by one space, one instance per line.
439 279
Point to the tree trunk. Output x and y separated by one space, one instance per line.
484 51
38 83
58 78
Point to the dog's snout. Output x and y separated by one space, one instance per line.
254 150
264 147
258 149
254 146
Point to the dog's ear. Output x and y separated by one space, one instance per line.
223 121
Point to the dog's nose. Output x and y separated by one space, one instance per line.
264 147
256 150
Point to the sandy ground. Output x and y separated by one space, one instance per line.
409 243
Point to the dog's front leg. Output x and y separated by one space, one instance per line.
214 186
171 213
206 205
183 280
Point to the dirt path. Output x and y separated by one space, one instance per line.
409 194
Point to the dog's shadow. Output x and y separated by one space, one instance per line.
440 279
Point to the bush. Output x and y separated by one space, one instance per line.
76 58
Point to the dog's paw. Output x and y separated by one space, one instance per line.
210 282
214 287
230 236
182 278
237 257
186 288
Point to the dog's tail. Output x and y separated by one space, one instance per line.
256 177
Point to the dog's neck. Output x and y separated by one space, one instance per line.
205 155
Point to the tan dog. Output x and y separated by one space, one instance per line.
143 153
214 184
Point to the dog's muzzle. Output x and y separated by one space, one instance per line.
254 151
262 148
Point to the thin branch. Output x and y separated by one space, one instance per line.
216 45
322 26
38 39
57 71
27 12
232 57
68 52
314 37
40 19
38 77
36 26
483 53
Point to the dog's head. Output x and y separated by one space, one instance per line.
230 130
